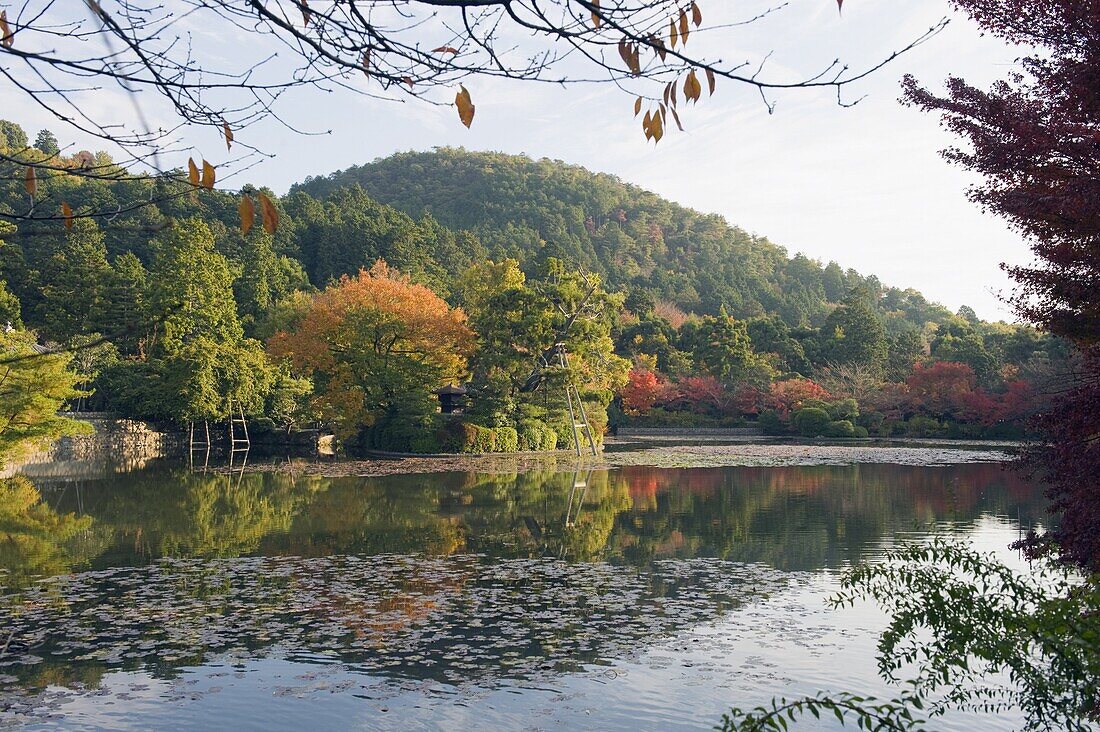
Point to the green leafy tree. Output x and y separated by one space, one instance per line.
74 280
12 137
197 348
721 346
47 142
33 387
903 350
10 312
853 334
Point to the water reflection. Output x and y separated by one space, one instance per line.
452 577
802 518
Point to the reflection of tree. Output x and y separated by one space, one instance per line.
174 512
790 517
804 517
35 540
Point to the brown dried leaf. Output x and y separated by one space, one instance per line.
672 96
658 46
30 182
269 214
624 52
208 175
228 135
685 28
647 124
596 20
192 172
247 210
365 63
696 15
658 128
67 214
672 35
7 37
465 106
306 14
676 117
637 106
711 81
446 49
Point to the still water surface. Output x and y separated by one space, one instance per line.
632 598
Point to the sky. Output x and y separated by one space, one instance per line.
864 186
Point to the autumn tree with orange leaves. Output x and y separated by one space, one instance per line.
377 346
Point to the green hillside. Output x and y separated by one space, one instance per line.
531 209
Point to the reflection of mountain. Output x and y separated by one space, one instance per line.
790 517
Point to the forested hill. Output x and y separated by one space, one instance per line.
530 209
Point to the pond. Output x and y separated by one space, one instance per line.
622 596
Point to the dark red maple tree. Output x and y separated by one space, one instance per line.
1035 138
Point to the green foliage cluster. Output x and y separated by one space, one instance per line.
966 632
182 300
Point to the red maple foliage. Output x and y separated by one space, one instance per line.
788 396
1035 139
641 391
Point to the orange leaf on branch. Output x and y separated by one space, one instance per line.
247 211
465 106
269 214
208 175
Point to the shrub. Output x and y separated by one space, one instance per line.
549 439
425 444
485 439
507 439
840 428
457 436
920 426
811 421
861 431
530 435
770 421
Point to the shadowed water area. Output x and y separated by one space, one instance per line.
631 597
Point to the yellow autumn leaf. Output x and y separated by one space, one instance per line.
67 214
247 210
269 213
208 175
30 182
192 172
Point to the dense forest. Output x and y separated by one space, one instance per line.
382 283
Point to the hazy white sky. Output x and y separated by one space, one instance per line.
864 186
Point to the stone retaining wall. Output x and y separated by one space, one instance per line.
690 432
